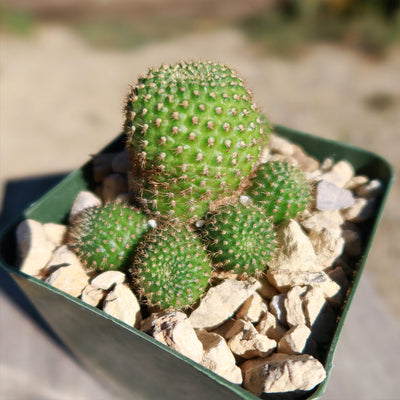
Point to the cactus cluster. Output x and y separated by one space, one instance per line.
194 136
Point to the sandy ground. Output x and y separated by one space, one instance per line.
61 101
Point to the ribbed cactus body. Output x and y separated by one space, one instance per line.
281 190
193 136
105 237
171 267
240 239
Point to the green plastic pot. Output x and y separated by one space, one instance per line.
132 363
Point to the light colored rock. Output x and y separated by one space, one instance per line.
69 275
121 303
362 210
113 185
372 189
319 220
295 249
332 197
356 181
83 201
282 373
271 327
120 162
107 279
305 162
56 233
221 302
218 358
252 309
313 303
280 145
340 174
293 304
248 343
34 247
267 291
277 308
328 246
353 244
327 164
284 280
91 295
235 328
222 330
173 329
295 340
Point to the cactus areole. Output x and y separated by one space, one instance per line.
193 135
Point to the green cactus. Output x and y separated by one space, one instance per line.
193 135
240 238
105 237
281 190
171 267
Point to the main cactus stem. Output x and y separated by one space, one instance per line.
194 137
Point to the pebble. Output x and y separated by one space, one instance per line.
277 308
91 295
218 357
267 291
120 162
282 373
280 145
332 197
295 340
356 181
319 220
372 189
249 343
221 302
61 257
82 202
362 210
107 279
340 174
56 233
114 185
293 304
34 247
304 161
252 309
173 329
327 164
296 250
271 327
122 304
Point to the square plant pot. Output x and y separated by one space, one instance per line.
131 362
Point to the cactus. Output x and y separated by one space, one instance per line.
281 190
105 237
171 267
193 135
240 239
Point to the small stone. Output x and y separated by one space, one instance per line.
295 340
339 276
91 295
362 210
226 327
340 174
61 257
173 329
82 202
313 302
319 220
280 145
113 185
293 304
328 246
221 302
271 327
372 189
296 251
69 275
305 162
107 279
356 181
267 291
277 308
250 344
120 162
282 373
102 165
252 309
122 304
235 328
218 358
353 245
332 197
34 247
327 164
56 233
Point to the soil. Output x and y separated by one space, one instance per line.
61 100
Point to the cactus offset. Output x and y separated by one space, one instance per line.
105 237
240 239
281 190
171 267
193 135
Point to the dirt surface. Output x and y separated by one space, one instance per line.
62 100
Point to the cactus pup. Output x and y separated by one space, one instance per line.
193 135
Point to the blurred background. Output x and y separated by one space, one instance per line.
327 67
